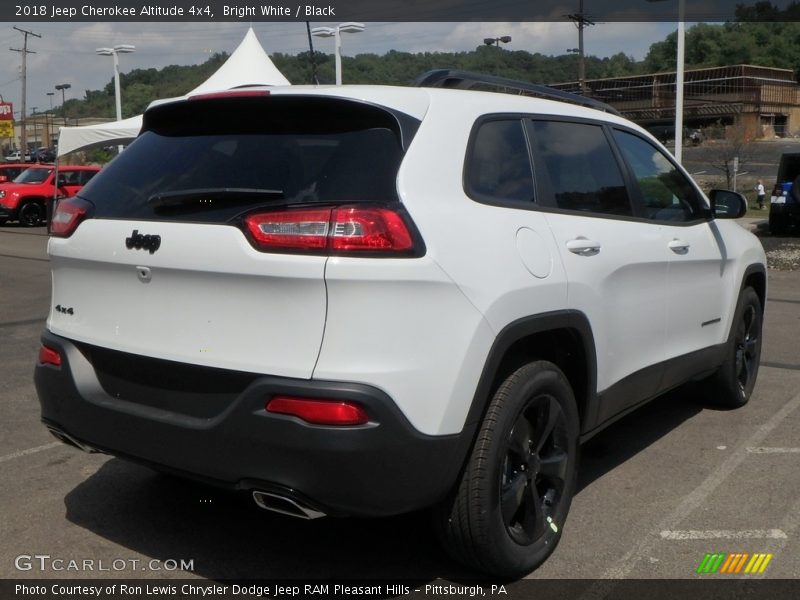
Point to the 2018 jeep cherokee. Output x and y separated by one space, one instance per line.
366 300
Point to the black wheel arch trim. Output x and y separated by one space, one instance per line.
755 269
572 320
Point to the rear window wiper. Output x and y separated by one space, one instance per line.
211 196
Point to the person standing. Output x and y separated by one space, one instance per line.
760 193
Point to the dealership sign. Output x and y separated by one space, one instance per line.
6 120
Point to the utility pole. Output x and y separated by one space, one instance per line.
24 51
582 21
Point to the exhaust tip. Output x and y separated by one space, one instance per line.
285 505
66 438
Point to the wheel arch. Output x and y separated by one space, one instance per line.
562 337
755 276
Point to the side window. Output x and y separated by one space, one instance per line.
580 166
86 176
498 168
666 193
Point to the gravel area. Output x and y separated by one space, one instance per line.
783 253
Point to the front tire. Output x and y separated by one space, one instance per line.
732 385
31 214
508 512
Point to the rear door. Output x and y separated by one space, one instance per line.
165 265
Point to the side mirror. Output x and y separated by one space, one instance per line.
726 204
3 178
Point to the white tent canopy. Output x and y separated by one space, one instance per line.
248 65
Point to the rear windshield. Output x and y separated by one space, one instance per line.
789 167
215 160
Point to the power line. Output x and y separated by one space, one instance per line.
24 51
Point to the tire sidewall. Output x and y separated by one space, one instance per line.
734 396
27 206
545 379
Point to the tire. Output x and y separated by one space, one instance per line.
3 221
778 225
732 384
507 514
31 214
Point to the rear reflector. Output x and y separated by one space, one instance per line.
68 215
49 356
348 229
319 412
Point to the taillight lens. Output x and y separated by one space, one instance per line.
49 356
319 412
341 230
290 230
68 215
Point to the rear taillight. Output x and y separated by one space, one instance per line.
68 215
341 230
49 356
319 412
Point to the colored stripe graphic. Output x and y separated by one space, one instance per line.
734 563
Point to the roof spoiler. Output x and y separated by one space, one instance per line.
465 80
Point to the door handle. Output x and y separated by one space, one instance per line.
679 246
583 247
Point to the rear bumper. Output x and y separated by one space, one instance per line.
385 467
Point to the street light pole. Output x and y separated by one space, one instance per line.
47 120
679 77
63 87
336 33
115 52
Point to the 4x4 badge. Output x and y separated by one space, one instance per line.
141 241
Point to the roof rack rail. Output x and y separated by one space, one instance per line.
464 80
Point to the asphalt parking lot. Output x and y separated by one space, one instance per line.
658 490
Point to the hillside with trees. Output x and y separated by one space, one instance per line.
769 43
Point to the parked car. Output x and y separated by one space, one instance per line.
16 157
358 300
10 171
26 198
784 204
43 155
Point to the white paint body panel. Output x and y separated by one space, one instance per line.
213 299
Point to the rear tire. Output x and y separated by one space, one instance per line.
31 214
733 383
507 514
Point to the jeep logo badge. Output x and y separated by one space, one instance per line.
143 242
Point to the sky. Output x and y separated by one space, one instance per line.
66 51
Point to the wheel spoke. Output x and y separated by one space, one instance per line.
520 444
750 346
554 468
512 496
546 423
533 514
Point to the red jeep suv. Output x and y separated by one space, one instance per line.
25 199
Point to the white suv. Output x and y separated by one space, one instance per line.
367 300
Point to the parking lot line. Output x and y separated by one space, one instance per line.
773 450
690 503
21 323
25 257
724 534
21 453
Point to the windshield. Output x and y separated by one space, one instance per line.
33 175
